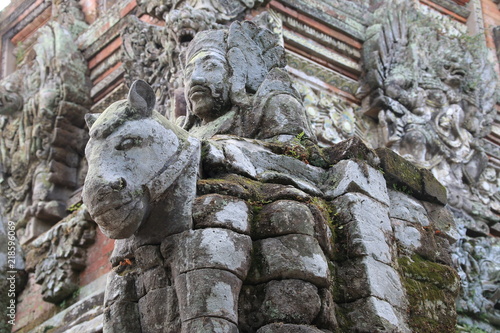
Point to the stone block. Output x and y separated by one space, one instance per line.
443 220
148 256
352 148
353 176
282 218
366 277
405 207
289 257
374 314
321 212
433 190
120 288
407 236
213 248
404 175
215 210
288 328
399 171
209 293
366 226
122 317
154 278
275 192
208 324
327 315
158 311
290 301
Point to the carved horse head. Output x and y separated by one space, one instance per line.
134 156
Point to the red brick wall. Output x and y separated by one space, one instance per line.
97 258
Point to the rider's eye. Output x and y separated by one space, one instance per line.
128 143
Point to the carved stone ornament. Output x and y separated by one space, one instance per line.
235 233
235 83
432 94
151 52
42 136
60 255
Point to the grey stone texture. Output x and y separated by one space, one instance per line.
367 224
283 217
257 229
216 294
289 257
222 211
350 176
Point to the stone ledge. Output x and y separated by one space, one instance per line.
405 176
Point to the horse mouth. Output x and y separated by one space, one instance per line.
198 90
105 210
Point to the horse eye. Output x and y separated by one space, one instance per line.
128 143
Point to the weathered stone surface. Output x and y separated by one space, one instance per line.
148 256
120 288
291 301
216 294
352 148
438 285
443 220
366 226
61 255
327 316
159 311
253 159
208 324
283 217
365 277
407 236
289 257
222 211
406 208
154 278
407 177
351 176
122 317
289 328
213 248
377 314
39 173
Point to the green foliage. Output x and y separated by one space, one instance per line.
75 207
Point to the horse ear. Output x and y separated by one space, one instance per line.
90 119
142 97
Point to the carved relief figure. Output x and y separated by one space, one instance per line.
432 93
428 101
235 83
42 138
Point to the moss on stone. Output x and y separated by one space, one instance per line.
431 289
417 268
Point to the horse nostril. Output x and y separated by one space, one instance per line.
198 79
118 184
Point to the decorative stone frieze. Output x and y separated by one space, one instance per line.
60 254
42 138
